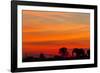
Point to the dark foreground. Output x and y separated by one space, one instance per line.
77 54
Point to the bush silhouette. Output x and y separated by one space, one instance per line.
42 56
28 59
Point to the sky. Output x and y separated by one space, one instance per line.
46 31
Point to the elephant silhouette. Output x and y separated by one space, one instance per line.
78 53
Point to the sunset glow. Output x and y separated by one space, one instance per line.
46 32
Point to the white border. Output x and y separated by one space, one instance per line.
53 63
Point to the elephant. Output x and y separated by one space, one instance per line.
78 53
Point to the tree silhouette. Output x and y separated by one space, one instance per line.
63 52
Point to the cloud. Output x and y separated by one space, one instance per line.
56 17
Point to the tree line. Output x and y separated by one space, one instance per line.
77 53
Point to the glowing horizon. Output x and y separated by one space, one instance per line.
46 32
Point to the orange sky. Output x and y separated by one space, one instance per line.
46 32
